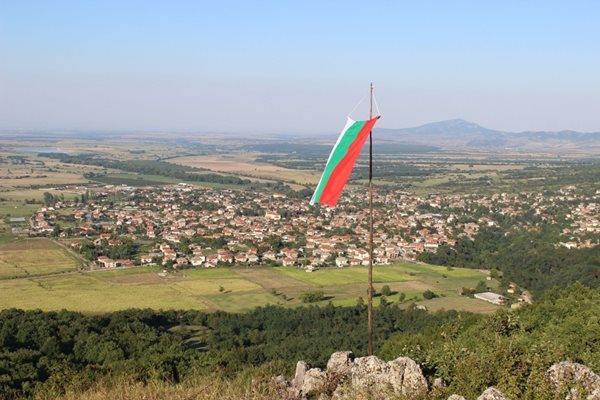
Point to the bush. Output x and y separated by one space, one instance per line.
312 297
386 291
428 294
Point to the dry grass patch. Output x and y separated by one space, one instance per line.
245 164
33 257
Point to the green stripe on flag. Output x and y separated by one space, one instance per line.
338 154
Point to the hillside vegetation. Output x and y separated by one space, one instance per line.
169 354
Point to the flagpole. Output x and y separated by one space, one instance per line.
370 287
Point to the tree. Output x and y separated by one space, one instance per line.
49 199
386 291
481 287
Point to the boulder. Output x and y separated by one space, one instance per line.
369 371
439 383
314 381
340 364
595 395
346 376
301 368
492 393
456 397
406 377
564 375
401 376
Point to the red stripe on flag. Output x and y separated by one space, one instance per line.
332 191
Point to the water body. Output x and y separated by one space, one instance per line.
39 150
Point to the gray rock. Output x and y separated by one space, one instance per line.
492 393
301 368
369 371
569 375
595 395
340 364
346 376
456 397
439 383
401 376
314 381
406 377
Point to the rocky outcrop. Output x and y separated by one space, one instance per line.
574 378
346 375
492 393
456 397
340 363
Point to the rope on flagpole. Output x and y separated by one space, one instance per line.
355 107
376 105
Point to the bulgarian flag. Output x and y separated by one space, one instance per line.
341 161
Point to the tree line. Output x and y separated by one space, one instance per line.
530 258
39 350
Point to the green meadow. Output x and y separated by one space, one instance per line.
237 289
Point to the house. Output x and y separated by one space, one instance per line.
181 261
272 215
287 262
241 258
145 259
197 260
212 260
341 261
107 262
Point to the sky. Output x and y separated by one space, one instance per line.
287 66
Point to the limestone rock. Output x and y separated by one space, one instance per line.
569 375
595 395
492 393
369 371
456 397
340 364
346 375
406 377
401 376
314 381
439 383
301 368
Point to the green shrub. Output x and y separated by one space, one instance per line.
312 297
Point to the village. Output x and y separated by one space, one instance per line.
182 226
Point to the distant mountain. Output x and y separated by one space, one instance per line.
458 133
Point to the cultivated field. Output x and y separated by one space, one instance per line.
245 164
33 258
236 289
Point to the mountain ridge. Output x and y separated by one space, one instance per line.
459 133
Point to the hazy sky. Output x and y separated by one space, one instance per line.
297 66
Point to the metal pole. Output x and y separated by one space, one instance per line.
370 287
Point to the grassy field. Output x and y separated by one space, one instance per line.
33 257
236 289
